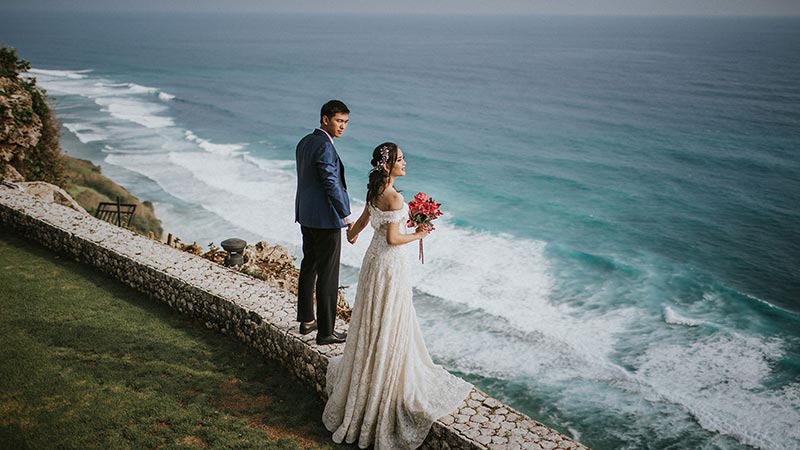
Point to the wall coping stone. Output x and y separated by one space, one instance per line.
256 312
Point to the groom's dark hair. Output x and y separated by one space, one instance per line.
332 108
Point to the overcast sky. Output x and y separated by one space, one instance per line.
589 7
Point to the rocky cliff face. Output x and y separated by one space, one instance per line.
29 132
25 147
20 127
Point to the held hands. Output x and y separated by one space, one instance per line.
352 236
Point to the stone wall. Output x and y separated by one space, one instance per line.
257 313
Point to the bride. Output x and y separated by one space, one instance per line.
385 389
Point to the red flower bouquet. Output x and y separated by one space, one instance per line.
422 210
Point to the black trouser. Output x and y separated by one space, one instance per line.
322 248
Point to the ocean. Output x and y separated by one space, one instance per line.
619 256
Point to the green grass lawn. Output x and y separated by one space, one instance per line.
88 363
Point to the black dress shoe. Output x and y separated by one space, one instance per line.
305 329
332 339
340 335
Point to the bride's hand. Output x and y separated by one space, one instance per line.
422 231
352 237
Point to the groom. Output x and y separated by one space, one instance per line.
322 207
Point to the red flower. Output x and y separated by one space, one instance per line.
422 210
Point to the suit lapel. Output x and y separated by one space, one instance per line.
341 166
319 132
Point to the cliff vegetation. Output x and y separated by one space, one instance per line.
88 186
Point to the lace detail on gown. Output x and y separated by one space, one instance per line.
385 389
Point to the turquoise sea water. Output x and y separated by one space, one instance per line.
620 255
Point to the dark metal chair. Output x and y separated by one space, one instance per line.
119 214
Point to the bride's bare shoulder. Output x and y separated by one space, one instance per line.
389 201
396 201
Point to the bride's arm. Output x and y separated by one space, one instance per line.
393 234
395 237
358 226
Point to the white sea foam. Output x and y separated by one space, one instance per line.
574 434
226 174
137 111
139 89
83 87
260 199
673 318
271 164
254 198
126 101
178 182
719 380
85 132
146 141
72 74
221 149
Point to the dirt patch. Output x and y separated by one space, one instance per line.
192 441
277 432
233 400
229 386
160 426
11 413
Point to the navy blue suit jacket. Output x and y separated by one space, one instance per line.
321 200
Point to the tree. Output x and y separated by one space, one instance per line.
10 65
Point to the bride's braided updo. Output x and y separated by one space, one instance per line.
383 158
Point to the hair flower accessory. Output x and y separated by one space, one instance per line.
384 159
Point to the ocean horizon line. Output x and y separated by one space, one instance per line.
389 14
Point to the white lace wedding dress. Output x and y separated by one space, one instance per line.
385 389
